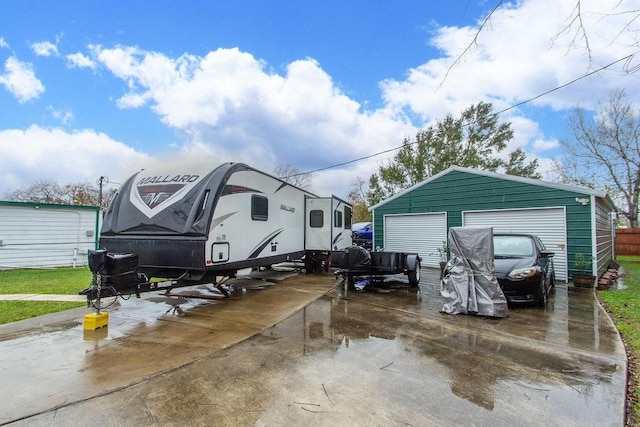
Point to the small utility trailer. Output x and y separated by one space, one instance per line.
356 261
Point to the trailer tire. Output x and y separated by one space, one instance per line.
351 284
309 264
413 274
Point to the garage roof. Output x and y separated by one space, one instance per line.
574 188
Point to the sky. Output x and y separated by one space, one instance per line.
91 89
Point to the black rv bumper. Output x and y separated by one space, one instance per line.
161 257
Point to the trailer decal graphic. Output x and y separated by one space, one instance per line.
336 238
264 243
284 184
217 221
154 195
155 190
235 189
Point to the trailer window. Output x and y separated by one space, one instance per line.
337 219
347 217
259 208
316 218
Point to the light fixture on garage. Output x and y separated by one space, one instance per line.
583 202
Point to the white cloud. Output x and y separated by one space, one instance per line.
66 157
525 50
78 60
20 80
65 115
44 49
545 144
231 107
3 43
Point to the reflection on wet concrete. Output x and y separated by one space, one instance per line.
371 359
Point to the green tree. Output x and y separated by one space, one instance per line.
472 140
358 198
517 165
604 152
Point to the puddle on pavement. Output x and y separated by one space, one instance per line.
364 354
376 360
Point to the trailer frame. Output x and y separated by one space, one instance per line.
357 261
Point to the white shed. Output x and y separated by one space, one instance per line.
46 235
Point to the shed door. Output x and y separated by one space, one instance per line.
547 223
421 233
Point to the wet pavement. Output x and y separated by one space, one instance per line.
303 352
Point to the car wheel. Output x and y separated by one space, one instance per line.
542 301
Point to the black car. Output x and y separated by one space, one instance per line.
523 267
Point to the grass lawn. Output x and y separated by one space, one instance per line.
12 311
624 307
66 281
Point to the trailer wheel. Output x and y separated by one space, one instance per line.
414 274
351 284
309 264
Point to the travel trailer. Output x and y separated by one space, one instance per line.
192 223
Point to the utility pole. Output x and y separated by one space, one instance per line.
101 182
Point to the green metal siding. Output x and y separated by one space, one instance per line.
459 191
604 235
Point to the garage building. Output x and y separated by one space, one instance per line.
568 219
46 235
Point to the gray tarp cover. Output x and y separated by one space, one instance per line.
471 287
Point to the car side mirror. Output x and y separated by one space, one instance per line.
547 254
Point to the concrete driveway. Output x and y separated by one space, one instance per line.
301 352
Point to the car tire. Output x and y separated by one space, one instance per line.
542 301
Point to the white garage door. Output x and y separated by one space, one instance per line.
548 223
421 233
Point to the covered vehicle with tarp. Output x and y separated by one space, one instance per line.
469 285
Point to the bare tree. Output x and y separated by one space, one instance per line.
604 152
48 191
576 27
579 31
293 176
42 191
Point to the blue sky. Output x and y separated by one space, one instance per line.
90 89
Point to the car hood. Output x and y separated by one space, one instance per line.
503 266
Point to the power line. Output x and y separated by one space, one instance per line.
562 86
346 163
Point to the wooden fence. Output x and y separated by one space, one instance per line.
628 241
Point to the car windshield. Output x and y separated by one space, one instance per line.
512 246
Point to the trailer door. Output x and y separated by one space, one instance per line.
341 224
327 224
318 224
